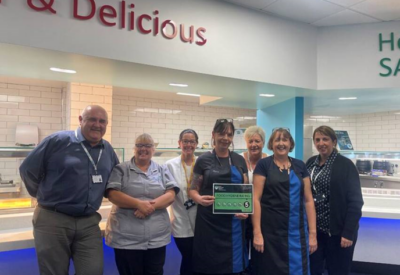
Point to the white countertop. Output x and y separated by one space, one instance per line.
21 238
374 207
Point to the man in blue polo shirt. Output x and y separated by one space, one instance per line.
67 173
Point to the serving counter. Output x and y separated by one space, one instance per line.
378 242
381 211
380 187
17 206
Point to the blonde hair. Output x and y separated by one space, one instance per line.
252 130
144 138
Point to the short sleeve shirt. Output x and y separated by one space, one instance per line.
123 229
205 161
263 166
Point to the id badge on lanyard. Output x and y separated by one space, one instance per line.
95 178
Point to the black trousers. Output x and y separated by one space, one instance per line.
337 259
185 246
140 262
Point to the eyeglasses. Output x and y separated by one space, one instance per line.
280 129
191 142
147 146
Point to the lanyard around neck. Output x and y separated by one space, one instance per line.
190 178
316 177
220 164
89 156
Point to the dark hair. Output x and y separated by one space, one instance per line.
189 131
326 131
285 134
222 125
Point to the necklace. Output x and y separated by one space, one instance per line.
283 166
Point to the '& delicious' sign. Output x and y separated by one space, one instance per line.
126 18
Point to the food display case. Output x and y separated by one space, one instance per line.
14 197
380 182
13 194
17 206
163 154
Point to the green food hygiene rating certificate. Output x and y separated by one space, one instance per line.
231 198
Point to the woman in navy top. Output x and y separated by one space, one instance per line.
219 245
338 202
283 207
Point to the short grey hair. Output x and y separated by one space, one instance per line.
252 130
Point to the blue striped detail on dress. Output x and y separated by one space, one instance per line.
239 262
296 240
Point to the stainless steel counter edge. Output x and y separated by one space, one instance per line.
382 178
22 238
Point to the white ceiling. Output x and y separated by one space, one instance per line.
327 12
150 81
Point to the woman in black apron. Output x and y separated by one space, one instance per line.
284 214
219 240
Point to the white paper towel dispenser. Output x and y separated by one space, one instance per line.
26 135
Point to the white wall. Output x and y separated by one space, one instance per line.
349 56
242 43
39 102
368 132
28 101
164 120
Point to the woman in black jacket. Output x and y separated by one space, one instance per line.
338 202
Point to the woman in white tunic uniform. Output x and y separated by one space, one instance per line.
184 209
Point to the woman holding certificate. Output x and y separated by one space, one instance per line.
284 215
184 209
219 239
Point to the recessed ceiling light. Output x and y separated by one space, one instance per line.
63 71
188 94
178 85
347 98
267 95
332 117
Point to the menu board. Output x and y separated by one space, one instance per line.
344 141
